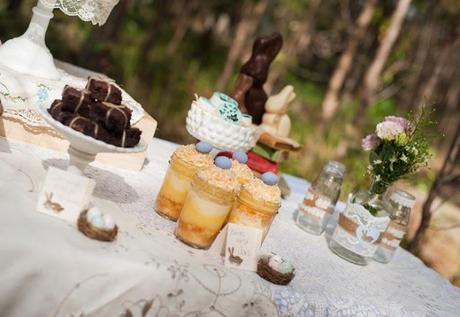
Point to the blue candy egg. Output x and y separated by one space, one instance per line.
269 178
223 162
203 147
240 156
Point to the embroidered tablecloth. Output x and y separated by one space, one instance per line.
48 268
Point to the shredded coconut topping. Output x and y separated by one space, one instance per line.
189 154
220 178
242 171
260 191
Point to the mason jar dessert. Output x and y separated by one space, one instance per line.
207 205
257 203
242 171
183 165
320 199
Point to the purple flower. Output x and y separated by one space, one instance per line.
402 122
370 142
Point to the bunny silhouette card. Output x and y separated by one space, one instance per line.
65 194
242 247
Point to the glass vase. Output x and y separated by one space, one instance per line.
361 225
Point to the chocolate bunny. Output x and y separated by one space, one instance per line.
249 90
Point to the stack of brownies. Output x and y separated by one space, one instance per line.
97 112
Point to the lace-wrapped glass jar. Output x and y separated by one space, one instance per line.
361 225
320 199
399 203
205 210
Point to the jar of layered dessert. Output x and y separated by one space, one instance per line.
399 204
257 203
320 199
208 204
242 171
183 165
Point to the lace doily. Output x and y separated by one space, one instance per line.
172 278
95 11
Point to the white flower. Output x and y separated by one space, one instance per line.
377 162
370 167
403 158
388 130
377 178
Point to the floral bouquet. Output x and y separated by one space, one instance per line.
398 148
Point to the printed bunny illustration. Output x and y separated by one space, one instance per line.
49 204
275 120
234 258
366 234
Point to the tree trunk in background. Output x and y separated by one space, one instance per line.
182 23
372 76
149 39
442 59
250 17
298 42
452 155
331 100
425 29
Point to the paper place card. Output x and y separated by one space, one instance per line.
218 246
64 194
242 247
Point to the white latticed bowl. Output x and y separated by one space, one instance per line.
221 134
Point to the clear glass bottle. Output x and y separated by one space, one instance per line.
400 204
320 199
361 224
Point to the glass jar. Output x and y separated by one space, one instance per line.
320 199
361 225
205 211
175 187
253 212
400 204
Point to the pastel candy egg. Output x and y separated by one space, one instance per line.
109 223
203 147
275 261
97 221
223 162
218 98
93 212
286 267
240 156
269 178
205 101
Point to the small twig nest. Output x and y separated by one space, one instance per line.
265 271
94 232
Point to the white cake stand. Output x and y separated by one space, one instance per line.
83 149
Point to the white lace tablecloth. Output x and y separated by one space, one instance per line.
48 268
